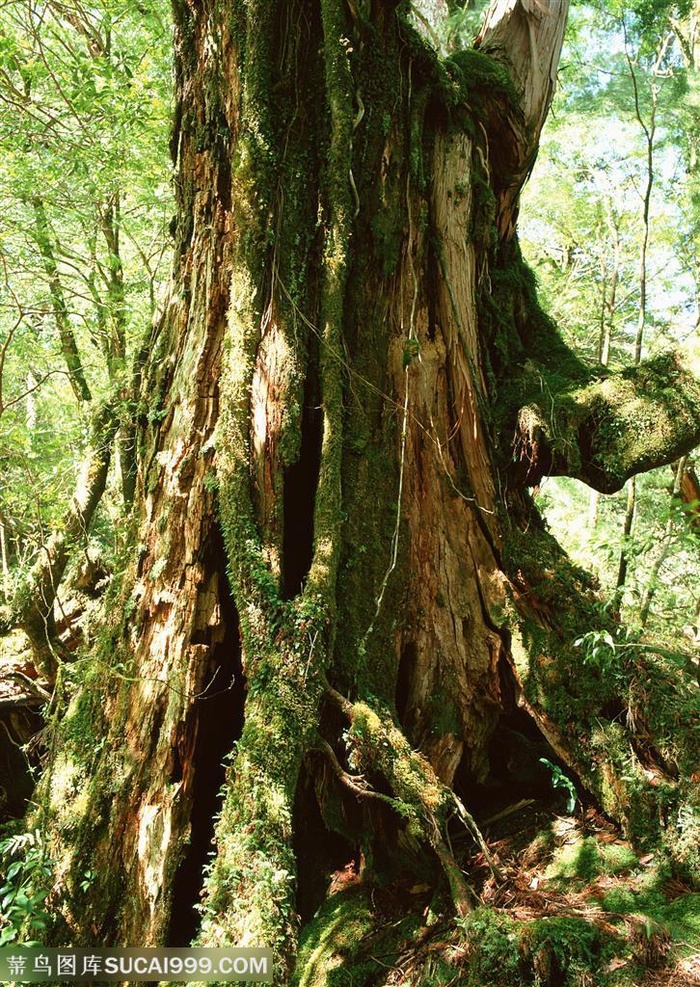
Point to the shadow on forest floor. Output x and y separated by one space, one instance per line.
576 907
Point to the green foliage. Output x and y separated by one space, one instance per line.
600 652
26 873
561 946
84 206
451 31
462 24
491 938
624 93
682 838
560 780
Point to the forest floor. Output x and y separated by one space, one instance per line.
581 866
572 904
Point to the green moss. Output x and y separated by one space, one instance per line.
561 948
379 744
641 417
388 232
368 664
356 937
584 859
528 362
491 938
355 940
682 917
478 77
333 940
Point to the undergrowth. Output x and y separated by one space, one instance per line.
577 908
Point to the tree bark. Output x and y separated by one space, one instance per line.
526 36
328 420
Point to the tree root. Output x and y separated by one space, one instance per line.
376 744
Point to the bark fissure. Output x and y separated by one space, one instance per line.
206 740
300 483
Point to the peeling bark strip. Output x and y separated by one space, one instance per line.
339 259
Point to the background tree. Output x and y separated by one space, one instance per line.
83 101
629 185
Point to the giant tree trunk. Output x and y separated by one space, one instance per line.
338 563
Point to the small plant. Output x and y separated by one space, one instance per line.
560 780
25 878
88 879
598 648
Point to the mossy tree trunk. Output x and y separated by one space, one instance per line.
338 563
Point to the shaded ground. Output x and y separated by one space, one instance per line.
574 905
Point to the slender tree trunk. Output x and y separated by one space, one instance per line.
649 135
69 347
34 600
607 315
626 536
665 544
6 583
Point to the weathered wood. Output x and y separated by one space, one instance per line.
526 36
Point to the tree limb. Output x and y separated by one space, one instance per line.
606 431
526 37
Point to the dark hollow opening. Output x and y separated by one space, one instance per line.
516 771
324 859
17 727
300 482
216 723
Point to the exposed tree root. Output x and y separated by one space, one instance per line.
576 907
376 744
